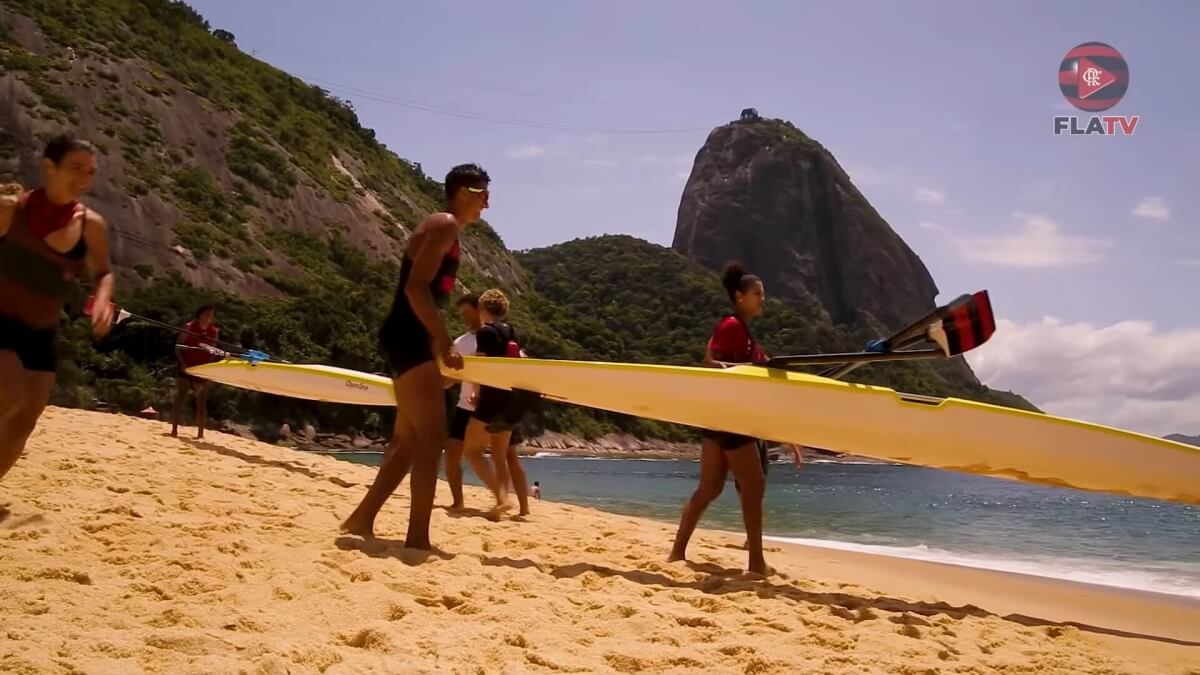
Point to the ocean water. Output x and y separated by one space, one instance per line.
910 512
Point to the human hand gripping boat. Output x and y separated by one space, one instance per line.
774 402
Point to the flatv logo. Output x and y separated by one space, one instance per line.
1094 77
356 385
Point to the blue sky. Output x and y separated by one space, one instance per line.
941 112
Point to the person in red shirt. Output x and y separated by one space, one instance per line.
722 452
189 351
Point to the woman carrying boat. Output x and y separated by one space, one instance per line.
48 240
413 340
189 351
721 452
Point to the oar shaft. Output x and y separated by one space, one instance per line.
857 358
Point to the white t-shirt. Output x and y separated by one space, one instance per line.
465 344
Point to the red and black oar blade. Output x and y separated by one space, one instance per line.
965 326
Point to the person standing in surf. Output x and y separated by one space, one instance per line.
48 241
189 351
722 452
413 340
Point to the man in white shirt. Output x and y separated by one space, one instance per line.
468 309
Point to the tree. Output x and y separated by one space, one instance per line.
225 35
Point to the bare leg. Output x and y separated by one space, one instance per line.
454 451
202 407
498 446
201 389
746 467
473 446
417 440
181 387
712 481
520 481
23 397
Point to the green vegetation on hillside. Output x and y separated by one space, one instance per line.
624 299
612 298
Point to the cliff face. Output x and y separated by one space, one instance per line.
214 165
764 192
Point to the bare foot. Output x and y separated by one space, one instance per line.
500 509
676 556
418 544
456 508
759 567
353 526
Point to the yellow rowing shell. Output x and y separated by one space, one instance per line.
789 407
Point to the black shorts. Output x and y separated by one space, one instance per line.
492 404
725 440
404 343
458 423
37 349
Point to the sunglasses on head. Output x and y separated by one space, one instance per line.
477 190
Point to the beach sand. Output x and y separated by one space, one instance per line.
123 550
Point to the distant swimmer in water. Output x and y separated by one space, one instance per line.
189 352
48 241
722 452
413 340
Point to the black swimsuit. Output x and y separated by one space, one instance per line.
403 339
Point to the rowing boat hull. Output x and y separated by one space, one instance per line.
296 380
789 407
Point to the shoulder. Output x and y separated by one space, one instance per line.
728 324
441 223
94 221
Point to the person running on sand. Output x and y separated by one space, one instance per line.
468 309
722 452
413 340
48 240
488 427
189 352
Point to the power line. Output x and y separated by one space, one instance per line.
465 114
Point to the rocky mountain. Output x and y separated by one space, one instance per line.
227 180
215 165
764 192
1183 438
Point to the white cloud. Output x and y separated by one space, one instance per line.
526 151
607 163
1128 375
929 196
1039 243
1154 208
925 224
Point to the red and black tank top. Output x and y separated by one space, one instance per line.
35 279
731 342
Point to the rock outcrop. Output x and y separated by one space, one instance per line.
763 192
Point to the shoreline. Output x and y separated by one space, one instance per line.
130 551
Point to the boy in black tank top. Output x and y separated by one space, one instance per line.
414 339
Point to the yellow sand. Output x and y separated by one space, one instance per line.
126 551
